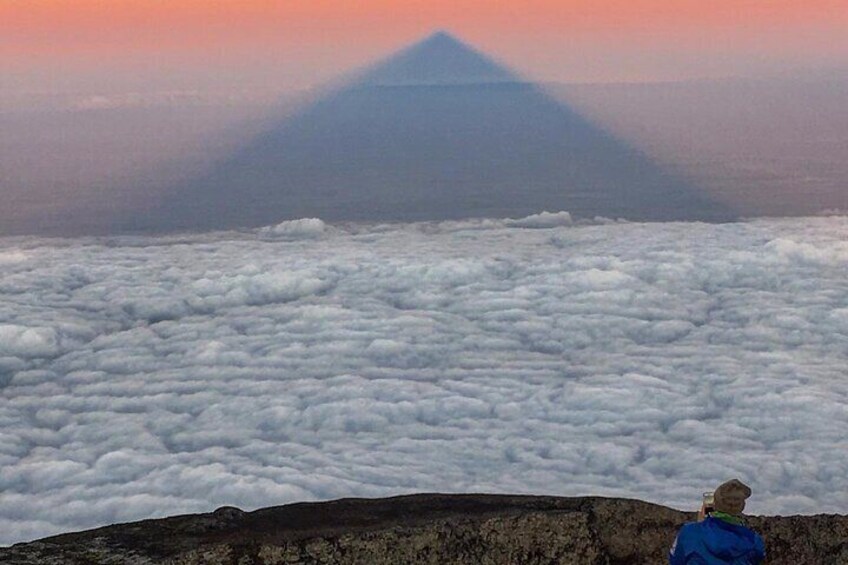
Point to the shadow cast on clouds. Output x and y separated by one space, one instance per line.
438 131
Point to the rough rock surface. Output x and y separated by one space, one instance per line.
425 528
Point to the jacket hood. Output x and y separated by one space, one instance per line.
728 541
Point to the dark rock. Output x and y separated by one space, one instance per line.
425 528
228 514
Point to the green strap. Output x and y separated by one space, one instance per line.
729 518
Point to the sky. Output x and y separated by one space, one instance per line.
145 377
117 45
130 92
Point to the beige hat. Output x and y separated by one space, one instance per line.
730 496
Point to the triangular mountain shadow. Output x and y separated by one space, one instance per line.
440 59
438 131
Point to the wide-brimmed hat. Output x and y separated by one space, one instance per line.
730 496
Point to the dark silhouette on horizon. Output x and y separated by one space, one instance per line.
438 131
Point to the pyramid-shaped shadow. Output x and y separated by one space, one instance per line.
438 131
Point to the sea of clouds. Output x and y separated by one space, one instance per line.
143 377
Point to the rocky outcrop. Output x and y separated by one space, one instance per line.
425 528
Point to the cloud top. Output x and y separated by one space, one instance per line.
146 377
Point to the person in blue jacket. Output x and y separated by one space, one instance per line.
721 537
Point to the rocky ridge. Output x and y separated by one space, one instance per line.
424 528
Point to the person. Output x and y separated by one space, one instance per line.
721 538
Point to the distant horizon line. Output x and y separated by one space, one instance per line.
157 98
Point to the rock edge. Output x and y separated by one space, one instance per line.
424 528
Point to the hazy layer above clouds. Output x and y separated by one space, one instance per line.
147 377
770 147
773 147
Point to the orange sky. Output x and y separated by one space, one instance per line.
117 32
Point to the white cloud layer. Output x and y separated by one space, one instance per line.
148 377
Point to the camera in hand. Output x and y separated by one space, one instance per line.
708 505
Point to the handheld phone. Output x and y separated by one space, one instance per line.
709 502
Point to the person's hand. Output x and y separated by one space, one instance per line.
702 513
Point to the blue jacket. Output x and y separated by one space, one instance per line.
716 542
